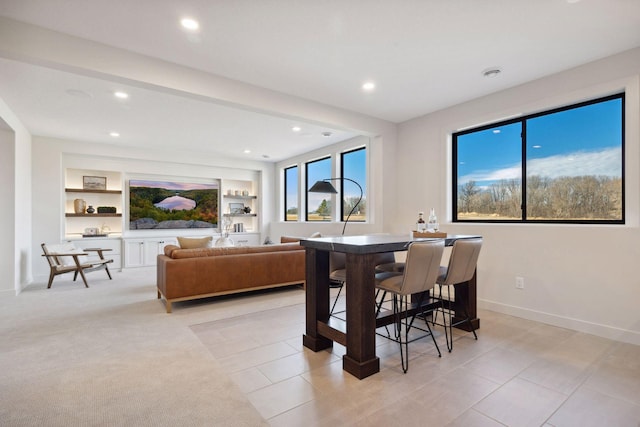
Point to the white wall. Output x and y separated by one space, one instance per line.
7 216
16 218
577 276
52 156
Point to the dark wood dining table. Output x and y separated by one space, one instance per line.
358 333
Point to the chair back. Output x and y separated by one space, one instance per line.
422 266
57 261
463 261
337 261
52 260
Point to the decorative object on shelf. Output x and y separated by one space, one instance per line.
325 186
79 206
105 229
236 208
247 209
245 192
90 210
106 209
94 182
238 228
225 240
91 231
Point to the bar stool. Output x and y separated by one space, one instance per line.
461 268
419 276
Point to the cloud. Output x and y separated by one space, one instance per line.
597 163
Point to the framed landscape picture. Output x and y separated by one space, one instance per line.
94 182
172 204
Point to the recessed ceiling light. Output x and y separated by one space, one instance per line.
189 24
121 95
296 128
572 1
266 156
491 72
247 151
368 86
114 134
537 146
496 131
326 134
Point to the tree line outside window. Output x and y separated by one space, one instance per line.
564 165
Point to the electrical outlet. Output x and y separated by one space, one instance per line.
519 282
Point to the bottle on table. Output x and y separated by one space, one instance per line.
432 222
421 225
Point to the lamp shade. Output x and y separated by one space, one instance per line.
323 187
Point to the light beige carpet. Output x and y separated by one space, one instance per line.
110 356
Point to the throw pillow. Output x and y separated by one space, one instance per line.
194 243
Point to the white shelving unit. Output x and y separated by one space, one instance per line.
241 192
76 223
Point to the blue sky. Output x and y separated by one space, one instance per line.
581 141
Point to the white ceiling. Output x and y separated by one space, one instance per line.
424 55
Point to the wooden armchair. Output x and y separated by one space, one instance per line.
66 258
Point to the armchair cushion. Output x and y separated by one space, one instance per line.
67 249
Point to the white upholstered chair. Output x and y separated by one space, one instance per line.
66 258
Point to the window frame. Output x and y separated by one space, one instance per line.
307 186
523 120
342 213
297 184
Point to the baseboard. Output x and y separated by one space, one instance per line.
610 332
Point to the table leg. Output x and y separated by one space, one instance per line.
360 359
466 293
317 298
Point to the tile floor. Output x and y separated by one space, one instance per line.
518 373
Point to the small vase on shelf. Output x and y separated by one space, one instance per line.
79 205
90 209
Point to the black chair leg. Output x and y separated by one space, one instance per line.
337 297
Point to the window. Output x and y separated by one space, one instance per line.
318 204
565 165
354 166
291 210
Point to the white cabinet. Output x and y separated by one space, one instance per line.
114 244
245 239
143 252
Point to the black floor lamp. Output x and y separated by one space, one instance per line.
325 186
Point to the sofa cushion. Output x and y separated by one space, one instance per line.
175 252
194 242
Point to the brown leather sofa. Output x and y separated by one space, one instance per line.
186 274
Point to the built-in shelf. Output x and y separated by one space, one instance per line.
80 190
230 214
93 214
240 197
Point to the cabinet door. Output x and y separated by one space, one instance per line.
155 247
134 252
245 239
